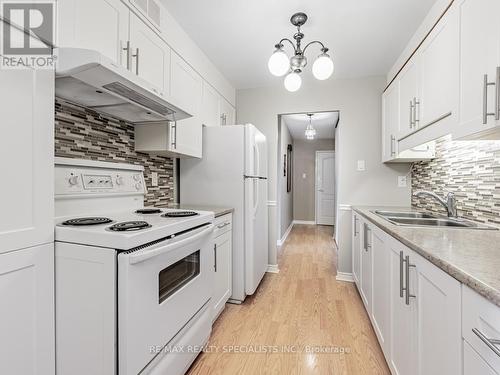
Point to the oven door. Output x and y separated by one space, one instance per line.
160 288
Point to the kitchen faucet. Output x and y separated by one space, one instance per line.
450 203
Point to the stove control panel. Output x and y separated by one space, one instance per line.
81 180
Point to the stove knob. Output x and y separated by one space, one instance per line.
73 180
119 180
138 186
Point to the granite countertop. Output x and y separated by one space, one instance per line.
218 211
471 256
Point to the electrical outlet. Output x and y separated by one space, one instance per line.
154 178
304 176
402 181
361 165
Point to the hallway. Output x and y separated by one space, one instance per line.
300 321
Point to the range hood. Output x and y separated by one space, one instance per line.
88 78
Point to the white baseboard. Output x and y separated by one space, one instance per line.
304 222
344 276
273 268
283 239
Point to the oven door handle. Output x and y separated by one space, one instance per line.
143 255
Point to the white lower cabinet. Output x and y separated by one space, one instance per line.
27 340
223 264
474 364
414 307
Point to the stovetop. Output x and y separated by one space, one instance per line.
129 229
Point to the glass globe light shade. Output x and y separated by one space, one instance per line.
310 137
293 82
323 67
278 63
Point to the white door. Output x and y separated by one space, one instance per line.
149 56
408 96
26 155
100 25
366 266
210 106
256 217
325 187
27 342
381 290
479 56
390 122
439 326
356 249
403 316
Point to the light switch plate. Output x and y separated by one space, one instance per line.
304 176
402 182
154 178
361 165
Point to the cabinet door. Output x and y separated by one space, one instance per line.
381 313
223 272
27 342
210 106
150 56
474 364
408 93
439 64
188 137
479 55
185 86
390 122
228 113
356 249
101 25
26 154
439 326
366 266
402 357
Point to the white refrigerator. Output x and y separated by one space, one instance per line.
233 173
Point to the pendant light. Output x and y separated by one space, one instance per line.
310 131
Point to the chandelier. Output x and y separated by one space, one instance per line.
279 64
310 131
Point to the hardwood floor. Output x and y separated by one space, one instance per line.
295 315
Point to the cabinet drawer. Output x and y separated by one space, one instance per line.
223 224
481 325
474 364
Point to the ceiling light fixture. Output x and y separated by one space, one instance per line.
310 131
279 64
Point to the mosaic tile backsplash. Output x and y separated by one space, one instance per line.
471 170
84 134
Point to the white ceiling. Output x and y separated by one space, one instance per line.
323 122
365 37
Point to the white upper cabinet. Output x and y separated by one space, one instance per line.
408 81
210 107
390 122
26 151
101 25
479 60
149 56
185 86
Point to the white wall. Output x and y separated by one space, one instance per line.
304 189
285 198
358 137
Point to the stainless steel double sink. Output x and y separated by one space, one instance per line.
422 219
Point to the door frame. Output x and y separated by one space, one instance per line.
316 183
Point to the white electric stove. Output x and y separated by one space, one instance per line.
132 284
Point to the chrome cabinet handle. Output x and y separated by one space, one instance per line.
411 114
174 135
407 287
493 344
416 114
486 84
220 226
401 272
127 48
355 226
365 237
497 94
215 257
136 61
393 145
